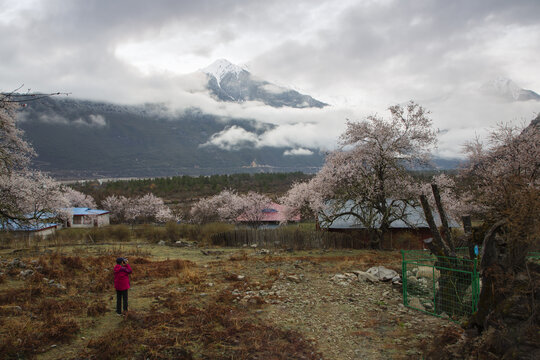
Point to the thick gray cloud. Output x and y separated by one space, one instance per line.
359 56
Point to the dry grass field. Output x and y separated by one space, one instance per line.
57 302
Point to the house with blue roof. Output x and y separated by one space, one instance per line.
31 228
86 217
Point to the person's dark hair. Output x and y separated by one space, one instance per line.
119 260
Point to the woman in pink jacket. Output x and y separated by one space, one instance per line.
121 283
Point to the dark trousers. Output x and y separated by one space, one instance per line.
121 294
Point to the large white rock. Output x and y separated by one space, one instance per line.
382 273
364 276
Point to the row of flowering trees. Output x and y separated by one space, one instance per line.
229 206
143 209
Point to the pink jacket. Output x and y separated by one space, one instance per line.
121 277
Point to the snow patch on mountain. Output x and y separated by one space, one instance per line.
222 67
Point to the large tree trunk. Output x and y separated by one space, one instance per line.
453 284
507 324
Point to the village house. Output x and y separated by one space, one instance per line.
32 229
271 217
86 217
408 232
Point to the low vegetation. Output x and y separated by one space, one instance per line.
58 301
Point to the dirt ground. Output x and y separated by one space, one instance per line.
192 303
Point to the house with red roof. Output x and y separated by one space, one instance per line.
271 216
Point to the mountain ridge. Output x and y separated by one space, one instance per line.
230 82
507 89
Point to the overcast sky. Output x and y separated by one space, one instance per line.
359 56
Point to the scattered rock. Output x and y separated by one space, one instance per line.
17 263
411 280
212 252
263 252
59 286
339 277
294 278
26 273
254 246
364 276
382 273
10 310
415 303
182 243
161 242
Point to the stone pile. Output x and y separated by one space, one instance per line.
373 275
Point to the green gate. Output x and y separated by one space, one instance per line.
438 285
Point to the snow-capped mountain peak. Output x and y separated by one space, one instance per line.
222 67
503 86
233 83
508 89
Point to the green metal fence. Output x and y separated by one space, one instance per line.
438 285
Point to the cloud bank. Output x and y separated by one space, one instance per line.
359 56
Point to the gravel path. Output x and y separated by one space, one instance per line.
349 319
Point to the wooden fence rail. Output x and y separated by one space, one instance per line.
288 239
300 240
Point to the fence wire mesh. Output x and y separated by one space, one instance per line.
438 285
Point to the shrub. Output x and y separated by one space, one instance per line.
207 230
60 329
72 262
96 308
190 276
96 235
172 230
119 232
151 233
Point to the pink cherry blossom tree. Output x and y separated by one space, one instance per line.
147 208
225 206
252 206
229 206
500 172
502 183
25 195
15 153
367 178
78 199
117 206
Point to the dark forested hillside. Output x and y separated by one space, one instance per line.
80 139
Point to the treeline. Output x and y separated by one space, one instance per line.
187 189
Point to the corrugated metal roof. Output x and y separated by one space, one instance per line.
86 211
414 216
14 226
